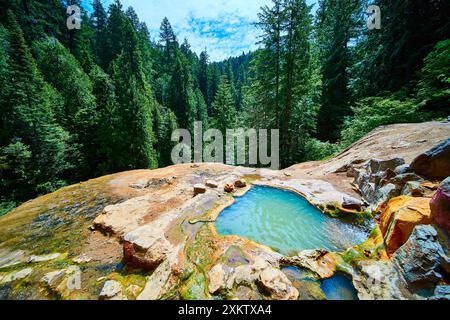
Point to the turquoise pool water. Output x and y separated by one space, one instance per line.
286 222
339 287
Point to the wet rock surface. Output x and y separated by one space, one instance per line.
150 219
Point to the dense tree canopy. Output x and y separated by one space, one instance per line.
77 104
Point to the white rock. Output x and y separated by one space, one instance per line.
52 279
112 290
82 259
43 258
17 275
277 284
212 184
154 288
217 279
12 258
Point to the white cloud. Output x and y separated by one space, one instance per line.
224 27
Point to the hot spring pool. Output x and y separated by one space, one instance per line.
286 222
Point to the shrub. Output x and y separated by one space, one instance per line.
318 150
373 112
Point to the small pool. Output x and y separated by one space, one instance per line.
286 222
339 287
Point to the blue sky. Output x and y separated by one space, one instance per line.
224 27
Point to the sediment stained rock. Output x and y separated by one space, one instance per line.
399 217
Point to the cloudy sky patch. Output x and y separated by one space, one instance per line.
224 27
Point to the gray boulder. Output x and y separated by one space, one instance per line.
435 163
377 165
402 179
352 204
441 293
420 257
405 168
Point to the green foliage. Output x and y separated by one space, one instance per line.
336 26
389 60
6 207
182 99
434 85
135 107
284 74
318 150
169 41
63 71
373 112
106 98
223 106
105 139
34 144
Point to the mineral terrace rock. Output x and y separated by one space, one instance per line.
14 276
10 259
212 184
377 165
405 168
112 290
218 277
402 179
82 259
441 293
435 163
155 286
386 192
245 275
378 280
399 218
146 248
277 284
318 261
124 217
440 205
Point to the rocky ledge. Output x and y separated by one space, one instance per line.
145 235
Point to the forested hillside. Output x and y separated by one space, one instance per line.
77 104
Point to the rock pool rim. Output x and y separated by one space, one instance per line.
213 216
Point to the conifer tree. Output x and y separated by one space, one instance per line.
136 106
98 22
224 110
203 79
106 136
63 71
115 33
336 27
168 40
34 145
182 98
